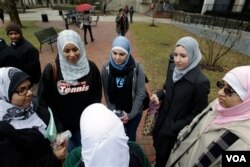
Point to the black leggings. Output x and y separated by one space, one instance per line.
85 28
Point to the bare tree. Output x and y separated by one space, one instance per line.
212 51
12 10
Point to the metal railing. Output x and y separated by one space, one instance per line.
211 21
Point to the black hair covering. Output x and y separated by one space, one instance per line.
16 78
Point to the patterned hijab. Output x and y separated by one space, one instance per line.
104 142
193 53
18 117
239 79
69 71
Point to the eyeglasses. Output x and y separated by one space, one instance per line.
227 89
23 91
119 53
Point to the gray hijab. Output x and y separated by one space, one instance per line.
72 72
194 55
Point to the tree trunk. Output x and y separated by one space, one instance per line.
22 4
12 10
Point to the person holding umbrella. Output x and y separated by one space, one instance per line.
86 20
83 7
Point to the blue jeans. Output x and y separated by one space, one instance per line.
75 140
131 127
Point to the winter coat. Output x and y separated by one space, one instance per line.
29 59
189 150
26 147
181 102
8 56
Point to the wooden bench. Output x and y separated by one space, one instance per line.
47 35
94 21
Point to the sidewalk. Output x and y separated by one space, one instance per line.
53 15
98 51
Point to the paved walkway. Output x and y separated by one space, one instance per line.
98 51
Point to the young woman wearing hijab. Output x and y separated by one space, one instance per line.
104 144
124 85
185 95
223 126
23 123
76 85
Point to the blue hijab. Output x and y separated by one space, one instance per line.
121 43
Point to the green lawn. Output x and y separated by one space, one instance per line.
29 27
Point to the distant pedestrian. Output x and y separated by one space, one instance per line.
126 10
122 24
131 13
86 18
104 8
2 15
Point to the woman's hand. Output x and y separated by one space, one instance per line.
154 99
60 152
124 119
60 148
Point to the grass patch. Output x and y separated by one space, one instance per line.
28 29
155 45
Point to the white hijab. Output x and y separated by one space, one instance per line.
69 71
193 53
104 142
18 117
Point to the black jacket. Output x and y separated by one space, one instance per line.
26 147
29 59
8 56
181 102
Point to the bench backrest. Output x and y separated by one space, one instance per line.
46 35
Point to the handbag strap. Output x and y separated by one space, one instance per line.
54 70
216 149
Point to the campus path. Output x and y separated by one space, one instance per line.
98 51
